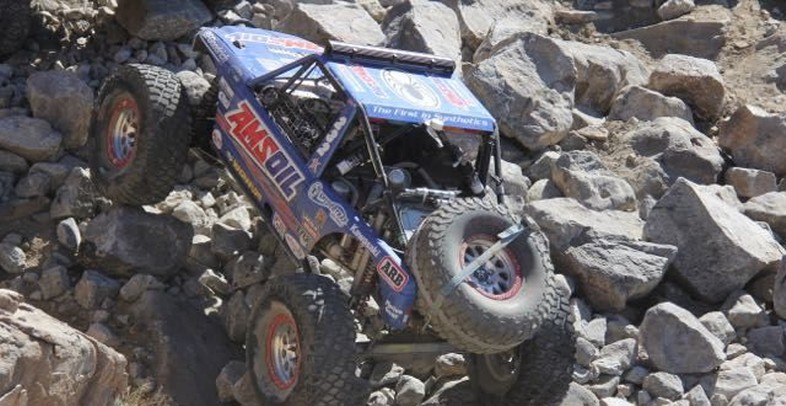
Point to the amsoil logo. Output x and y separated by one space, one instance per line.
362 74
452 96
393 274
247 127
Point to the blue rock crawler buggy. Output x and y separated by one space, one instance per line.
378 160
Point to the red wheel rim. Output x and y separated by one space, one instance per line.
282 355
500 277
122 131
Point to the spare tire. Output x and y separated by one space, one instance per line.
498 306
140 133
14 24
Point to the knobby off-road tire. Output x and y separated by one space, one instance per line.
307 314
539 371
475 317
141 134
204 118
14 24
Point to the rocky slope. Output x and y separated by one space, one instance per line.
645 138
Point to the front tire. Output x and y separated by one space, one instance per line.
300 347
140 133
497 307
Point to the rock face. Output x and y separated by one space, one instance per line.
755 139
52 362
478 17
751 182
528 84
769 208
125 240
30 138
696 81
64 101
161 19
677 342
424 26
611 271
582 176
720 249
647 105
341 22
699 38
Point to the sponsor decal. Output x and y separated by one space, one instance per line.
410 88
392 274
365 77
321 217
285 42
316 193
246 127
310 228
243 176
210 38
347 76
278 225
332 135
372 248
294 246
450 94
226 94
218 141
392 310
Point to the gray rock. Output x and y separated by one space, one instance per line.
126 241
718 324
743 312
528 83
93 288
697 396
247 269
582 176
68 234
33 185
215 282
230 374
616 358
542 190
12 259
341 22
647 105
237 218
164 20
565 219
677 342
63 100
767 341
755 364
712 259
10 162
779 290
54 282
191 213
586 352
579 396
477 18
769 208
76 198
382 397
696 81
733 381
424 26
228 241
543 166
410 391
614 402
605 386
385 373
663 385
451 364
235 315
672 9
195 85
57 171
103 334
751 182
636 375
751 137
595 331
613 271
137 285
726 193
702 38
31 138
759 395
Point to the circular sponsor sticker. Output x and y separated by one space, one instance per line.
217 140
410 88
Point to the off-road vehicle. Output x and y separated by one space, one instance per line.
379 160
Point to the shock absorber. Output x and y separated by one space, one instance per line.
363 283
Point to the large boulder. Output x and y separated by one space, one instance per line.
340 22
677 342
76 197
700 38
769 208
696 81
164 20
756 139
31 138
613 271
647 105
125 240
720 249
479 16
65 101
46 362
189 348
424 26
582 176
528 84
751 182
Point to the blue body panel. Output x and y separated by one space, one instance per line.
282 181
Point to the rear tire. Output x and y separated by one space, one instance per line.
317 367
497 307
140 133
14 24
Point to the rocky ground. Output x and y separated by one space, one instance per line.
646 138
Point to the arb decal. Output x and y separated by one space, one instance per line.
392 274
255 137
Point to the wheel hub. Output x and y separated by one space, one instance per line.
498 278
283 351
122 132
